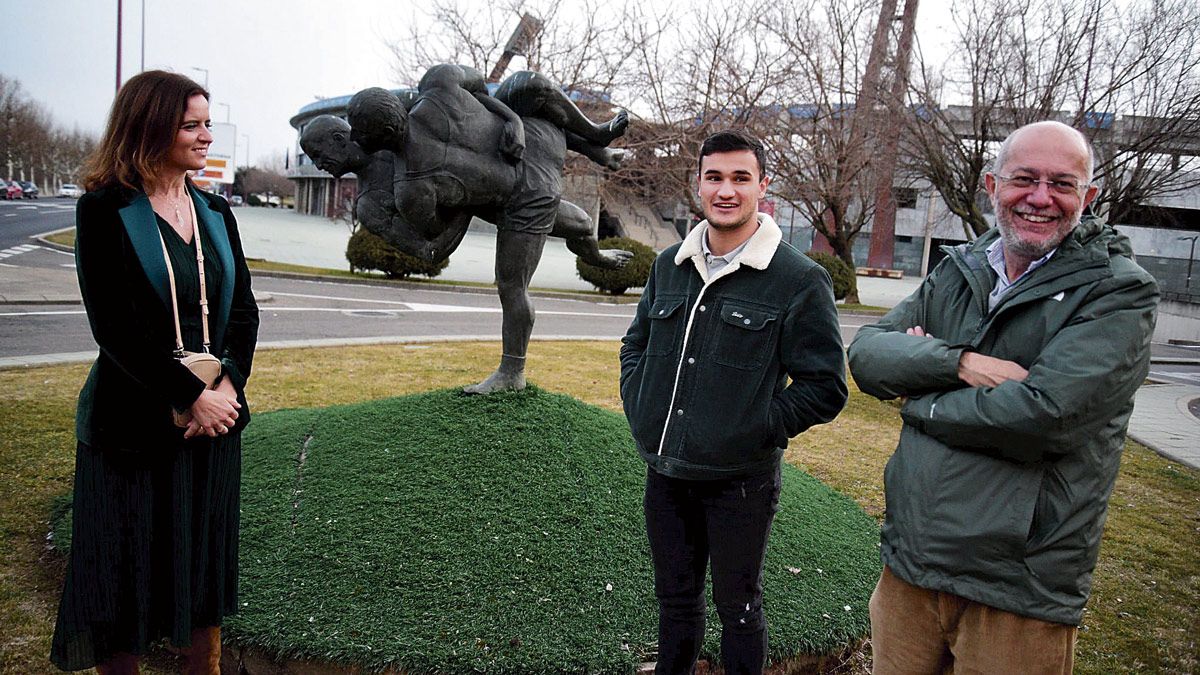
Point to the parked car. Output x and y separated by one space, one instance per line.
236 200
70 190
31 190
12 189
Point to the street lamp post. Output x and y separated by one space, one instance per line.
1191 254
119 12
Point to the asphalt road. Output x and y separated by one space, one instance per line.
295 312
21 219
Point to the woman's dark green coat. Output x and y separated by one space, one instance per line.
126 401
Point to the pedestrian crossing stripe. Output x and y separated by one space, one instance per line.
17 250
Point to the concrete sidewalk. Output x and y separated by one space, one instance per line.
1161 418
281 235
1163 422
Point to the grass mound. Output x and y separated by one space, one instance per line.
441 532
502 534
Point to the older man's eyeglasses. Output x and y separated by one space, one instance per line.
1062 187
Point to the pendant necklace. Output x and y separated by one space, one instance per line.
178 215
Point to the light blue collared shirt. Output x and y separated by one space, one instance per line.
995 257
716 263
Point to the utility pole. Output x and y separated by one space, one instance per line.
886 111
118 46
143 68
1191 254
518 43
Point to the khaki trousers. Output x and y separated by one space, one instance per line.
914 630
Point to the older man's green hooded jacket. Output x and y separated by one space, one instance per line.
999 494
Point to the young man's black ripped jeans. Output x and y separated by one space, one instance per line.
690 523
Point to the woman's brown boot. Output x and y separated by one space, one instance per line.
204 656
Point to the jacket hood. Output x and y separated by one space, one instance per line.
1093 231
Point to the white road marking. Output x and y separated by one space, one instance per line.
335 297
412 309
17 250
65 312
420 307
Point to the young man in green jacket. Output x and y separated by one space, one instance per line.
727 317
1018 358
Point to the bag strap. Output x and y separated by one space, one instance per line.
171 278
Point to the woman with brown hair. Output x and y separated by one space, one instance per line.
158 459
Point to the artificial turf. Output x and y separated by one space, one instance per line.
443 533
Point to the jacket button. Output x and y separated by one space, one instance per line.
746 321
679 412
702 308
662 311
691 360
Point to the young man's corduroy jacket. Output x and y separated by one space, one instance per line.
706 362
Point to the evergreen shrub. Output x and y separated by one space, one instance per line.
841 273
367 251
632 275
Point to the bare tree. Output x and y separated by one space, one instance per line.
32 147
1006 74
704 71
581 46
1125 75
267 181
823 160
1144 66
19 116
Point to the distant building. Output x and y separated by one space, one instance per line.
317 192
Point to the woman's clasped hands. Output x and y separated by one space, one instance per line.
214 412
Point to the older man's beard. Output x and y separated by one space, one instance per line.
1027 249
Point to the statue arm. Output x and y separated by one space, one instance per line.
512 144
430 236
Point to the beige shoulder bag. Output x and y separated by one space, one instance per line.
202 364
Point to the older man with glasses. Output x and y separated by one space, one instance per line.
1017 359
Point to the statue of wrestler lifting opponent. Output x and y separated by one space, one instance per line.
457 153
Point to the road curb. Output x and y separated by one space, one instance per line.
450 287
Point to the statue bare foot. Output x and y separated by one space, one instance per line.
613 158
498 381
611 258
615 128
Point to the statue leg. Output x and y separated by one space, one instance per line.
609 158
517 256
574 225
532 94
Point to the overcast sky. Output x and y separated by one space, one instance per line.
265 58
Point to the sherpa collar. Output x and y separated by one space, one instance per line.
757 254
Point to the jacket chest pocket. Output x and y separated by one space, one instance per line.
745 335
666 321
